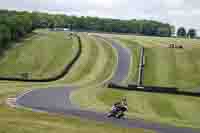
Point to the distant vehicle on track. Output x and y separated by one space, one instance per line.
118 109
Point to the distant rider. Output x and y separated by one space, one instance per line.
124 105
116 106
120 106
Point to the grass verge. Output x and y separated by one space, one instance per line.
21 121
43 55
169 67
103 71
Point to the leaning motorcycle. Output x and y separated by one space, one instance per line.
118 113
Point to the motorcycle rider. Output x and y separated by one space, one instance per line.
116 106
124 103
123 107
119 108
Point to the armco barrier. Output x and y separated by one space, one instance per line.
141 67
59 76
154 89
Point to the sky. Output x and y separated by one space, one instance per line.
176 12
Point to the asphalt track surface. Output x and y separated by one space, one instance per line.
124 57
56 100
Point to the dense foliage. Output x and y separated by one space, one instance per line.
192 33
181 32
14 25
144 27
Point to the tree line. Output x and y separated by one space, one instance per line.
15 25
181 32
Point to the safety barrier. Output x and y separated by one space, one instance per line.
141 67
154 89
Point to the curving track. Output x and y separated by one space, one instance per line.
56 100
124 57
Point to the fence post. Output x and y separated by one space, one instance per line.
141 67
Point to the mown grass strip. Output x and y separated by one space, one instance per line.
20 120
161 68
86 97
85 63
39 58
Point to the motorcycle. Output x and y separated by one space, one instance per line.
117 113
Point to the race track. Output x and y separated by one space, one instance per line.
124 57
56 100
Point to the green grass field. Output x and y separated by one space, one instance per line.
171 109
22 121
169 67
42 55
173 68
101 72
95 66
154 42
165 67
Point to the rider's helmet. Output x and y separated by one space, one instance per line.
124 101
117 103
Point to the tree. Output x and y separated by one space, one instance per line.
14 25
173 30
163 32
181 32
191 33
5 36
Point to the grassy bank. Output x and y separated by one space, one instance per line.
171 109
21 121
102 71
42 55
169 67
176 110
96 65
172 68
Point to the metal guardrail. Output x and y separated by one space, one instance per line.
154 89
150 89
141 68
